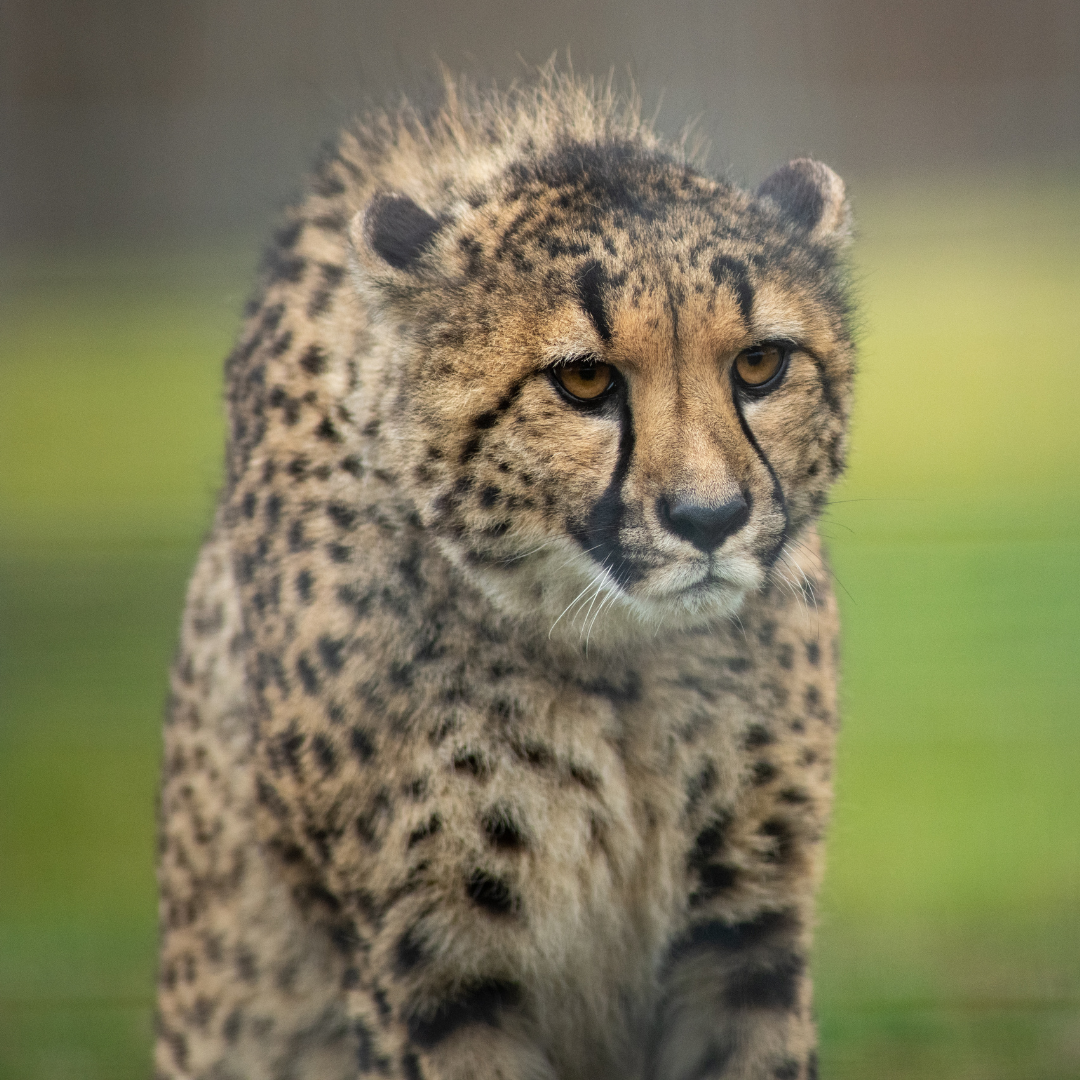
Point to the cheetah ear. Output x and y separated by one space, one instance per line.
811 197
391 236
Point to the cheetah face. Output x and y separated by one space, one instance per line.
618 389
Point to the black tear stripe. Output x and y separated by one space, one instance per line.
726 270
600 535
777 492
590 282
479 1004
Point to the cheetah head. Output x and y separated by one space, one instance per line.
615 390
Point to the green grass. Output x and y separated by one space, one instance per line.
949 941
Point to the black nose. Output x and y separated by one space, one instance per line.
706 527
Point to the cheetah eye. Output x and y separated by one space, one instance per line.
762 366
584 380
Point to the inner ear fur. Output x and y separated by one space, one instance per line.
393 232
812 197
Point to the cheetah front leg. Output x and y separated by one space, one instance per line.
736 1003
476 1033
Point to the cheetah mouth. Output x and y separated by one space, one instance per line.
718 577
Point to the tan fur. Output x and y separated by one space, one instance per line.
476 767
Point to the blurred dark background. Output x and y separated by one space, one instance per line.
150 117
144 149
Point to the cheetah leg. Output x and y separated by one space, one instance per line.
736 1004
478 1034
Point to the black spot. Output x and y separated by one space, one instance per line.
757 735
501 829
267 795
289 745
591 281
769 985
283 267
585 776
408 953
272 510
313 360
812 1066
342 516
429 828
785 656
813 652
339 553
246 967
700 785
272 316
369 824
536 754
624 692
489 496
787 1070
330 650
353 466
399 230
780 831
327 431
287 235
715 878
484 421
230 1030
248 505
763 772
474 762
362 744
325 753
361 603
490 893
401 674
179 1046
731 272
304 582
410 1066
479 1003
308 675
279 348
470 449
334 222
714 1063
709 841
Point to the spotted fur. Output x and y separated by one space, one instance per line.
502 725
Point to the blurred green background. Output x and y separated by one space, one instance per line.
143 148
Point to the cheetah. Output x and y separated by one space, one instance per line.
502 723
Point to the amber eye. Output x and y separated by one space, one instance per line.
757 366
585 380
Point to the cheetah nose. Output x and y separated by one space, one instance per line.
706 527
